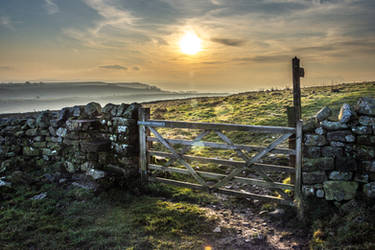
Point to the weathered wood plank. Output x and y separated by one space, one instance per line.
217 176
225 191
233 163
188 147
218 126
142 145
298 199
180 159
252 160
284 151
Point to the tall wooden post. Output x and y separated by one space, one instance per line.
297 73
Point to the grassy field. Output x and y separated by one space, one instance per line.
164 217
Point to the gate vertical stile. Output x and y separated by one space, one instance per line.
142 145
298 183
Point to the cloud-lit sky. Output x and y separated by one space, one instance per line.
247 44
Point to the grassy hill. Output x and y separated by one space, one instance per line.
166 217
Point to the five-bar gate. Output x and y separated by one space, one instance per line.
148 127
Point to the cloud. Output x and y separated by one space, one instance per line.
136 68
112 14
6 22
6 68
113 67
51 7
229 41
264 59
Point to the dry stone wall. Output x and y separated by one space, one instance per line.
339 154
90 140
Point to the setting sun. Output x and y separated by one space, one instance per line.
190 43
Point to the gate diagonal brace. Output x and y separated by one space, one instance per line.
179 158
242 155
188 147
252 160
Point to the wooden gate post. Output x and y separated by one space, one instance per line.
142 116
297 73
298 184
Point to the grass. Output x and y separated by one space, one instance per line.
167 217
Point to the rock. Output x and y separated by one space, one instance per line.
333 125
346 113
329 151
122 129
362 130
323 114
96 174
31 132
61 132
313 177
87 166
132 111
340 190
63 114
338 135
369 166
319 193
346 164
320 131
309 125
364 178
366 140
350 206
278 212
350 138
19 177
366 106
322 163
93 109
369 189
69 167
30 151
121 109
5 184
31 123
217 229
315 140
42 120
311 152
39 196
336 144
308 190
95 146
365 152
340 176
107 108
367 121
77 111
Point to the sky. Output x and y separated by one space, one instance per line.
246 44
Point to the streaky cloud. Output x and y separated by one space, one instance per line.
229 41
51 7
114 67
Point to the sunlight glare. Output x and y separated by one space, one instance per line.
190 43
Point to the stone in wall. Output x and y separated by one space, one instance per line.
340 190
366 106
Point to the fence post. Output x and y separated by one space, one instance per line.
298 184
292 140
297 73
142 114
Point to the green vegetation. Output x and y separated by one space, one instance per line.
166 217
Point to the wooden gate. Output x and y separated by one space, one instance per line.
148 127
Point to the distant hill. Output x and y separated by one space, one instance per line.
28 96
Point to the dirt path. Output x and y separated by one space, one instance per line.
246 228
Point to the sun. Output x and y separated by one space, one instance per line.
190 43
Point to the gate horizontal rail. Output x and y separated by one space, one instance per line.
218 126
249 163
